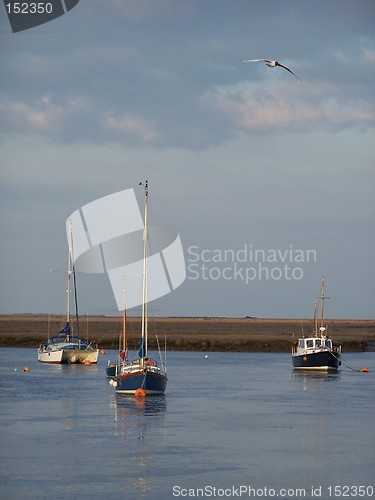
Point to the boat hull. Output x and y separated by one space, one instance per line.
68 356
113 370
150 381
51 357
75 356
320 361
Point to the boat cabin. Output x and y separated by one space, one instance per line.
315 343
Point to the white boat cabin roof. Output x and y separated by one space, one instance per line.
315 343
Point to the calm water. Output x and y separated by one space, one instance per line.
230 421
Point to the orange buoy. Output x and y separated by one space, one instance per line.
102 351
87 362
140 393
26 369
365 370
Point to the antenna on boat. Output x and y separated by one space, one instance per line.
322 297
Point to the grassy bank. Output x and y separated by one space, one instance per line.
189 334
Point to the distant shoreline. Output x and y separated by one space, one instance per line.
189 334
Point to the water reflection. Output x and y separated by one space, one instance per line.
309 379
140 428
148 406
138 415
310 375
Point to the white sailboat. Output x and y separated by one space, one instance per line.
66 347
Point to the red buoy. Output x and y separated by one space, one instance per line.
365 370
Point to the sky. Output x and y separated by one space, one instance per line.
268 180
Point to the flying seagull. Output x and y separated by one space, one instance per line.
271 64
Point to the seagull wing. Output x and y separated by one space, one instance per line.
290 71
252 60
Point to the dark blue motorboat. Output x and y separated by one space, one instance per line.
317 352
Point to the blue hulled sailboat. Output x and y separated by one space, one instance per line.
144 375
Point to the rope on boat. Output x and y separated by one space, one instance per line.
144 380
350 367
161 359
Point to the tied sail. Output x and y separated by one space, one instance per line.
142 349
66 329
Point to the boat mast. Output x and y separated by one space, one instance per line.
315 316
144 297
69 272
124 322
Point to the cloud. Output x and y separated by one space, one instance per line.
44 116
214 117
360 51
142 10
268 108
134 126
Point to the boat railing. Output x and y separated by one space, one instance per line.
132 368
137 365
92 345
314 349
156 369
336 348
